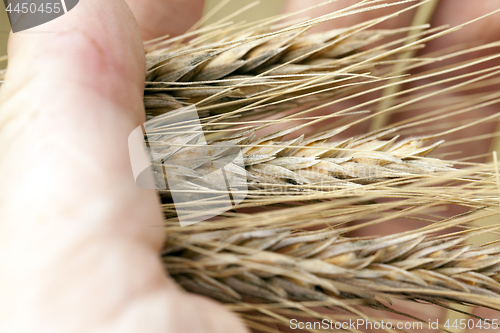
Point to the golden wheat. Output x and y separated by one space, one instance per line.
294 246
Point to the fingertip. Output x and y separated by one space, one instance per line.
157 18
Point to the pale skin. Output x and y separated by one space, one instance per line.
79 240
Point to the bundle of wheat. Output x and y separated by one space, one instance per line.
295 246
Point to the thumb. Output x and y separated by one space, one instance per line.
79 240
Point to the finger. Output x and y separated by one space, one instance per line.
481 32
79 238
157 18
456 12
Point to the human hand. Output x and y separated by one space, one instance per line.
79 239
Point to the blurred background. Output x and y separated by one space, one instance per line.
261 10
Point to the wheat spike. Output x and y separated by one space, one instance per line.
314 163
238 72
311 266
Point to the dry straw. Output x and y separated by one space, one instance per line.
296 247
